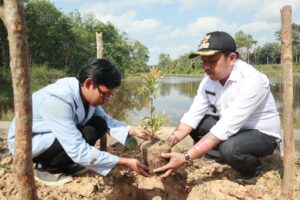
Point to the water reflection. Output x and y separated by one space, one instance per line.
277 89
174 97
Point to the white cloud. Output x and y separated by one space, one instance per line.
182 40
240 5
117 6
204 25
260 18
261 31
271 12
176 51
129 23
185 5
259 27
266 10
154 52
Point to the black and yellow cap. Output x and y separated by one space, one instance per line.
213 43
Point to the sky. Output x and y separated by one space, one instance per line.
176 27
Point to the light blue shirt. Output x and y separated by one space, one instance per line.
57 109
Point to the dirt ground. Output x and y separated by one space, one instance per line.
203 180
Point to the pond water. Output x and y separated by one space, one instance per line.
174 97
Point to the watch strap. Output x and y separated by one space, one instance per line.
187 158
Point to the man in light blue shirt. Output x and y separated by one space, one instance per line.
68 120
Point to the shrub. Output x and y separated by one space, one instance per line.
42 76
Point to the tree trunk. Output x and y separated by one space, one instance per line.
12 14
100 52
100 48
287 113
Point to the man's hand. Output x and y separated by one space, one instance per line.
176 161
138 132
135 165
172 140
181 131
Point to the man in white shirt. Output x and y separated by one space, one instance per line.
244 124
68 120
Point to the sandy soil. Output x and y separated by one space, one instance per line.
203 180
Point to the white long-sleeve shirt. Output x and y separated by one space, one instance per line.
57 110
244 102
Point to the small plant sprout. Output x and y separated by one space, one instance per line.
150 87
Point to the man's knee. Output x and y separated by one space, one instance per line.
99 124
94 129
227 150
232 152
204 127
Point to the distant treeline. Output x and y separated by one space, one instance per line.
266 54
67 41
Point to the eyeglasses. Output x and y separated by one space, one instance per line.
102 94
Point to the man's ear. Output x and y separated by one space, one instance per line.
88 83
232 58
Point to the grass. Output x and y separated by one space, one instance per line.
6 114
43 75
273 162
297 121
275 70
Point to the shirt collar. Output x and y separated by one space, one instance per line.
234 73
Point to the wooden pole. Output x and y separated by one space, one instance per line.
100 48
287 113
100 52
12 14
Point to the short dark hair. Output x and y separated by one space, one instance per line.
101 71
227 53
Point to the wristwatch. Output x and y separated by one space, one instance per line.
187 158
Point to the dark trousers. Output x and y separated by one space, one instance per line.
242 150
56 160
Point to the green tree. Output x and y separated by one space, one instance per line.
4 48
116 45
51 39
244 44
164 61
295 41
269 53
68 41
84 44
185 65
139 56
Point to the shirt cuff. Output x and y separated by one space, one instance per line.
219 132
104 170
188 121
120 134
